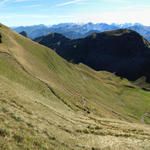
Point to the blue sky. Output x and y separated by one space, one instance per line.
30 12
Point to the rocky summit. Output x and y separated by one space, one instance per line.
24 33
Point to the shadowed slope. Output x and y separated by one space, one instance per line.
122 51
48 103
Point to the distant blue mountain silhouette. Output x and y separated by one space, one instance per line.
73 31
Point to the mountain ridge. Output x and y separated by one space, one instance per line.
122 51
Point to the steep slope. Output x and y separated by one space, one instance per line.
48 103
122 51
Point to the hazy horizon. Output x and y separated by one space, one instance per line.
31 12
50 25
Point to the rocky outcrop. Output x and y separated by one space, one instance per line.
24 33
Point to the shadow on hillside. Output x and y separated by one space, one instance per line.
123 52
129 68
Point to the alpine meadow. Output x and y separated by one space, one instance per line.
74 75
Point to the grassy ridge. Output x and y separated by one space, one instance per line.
48 103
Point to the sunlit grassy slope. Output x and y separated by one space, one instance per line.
47 103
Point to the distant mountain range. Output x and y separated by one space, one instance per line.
123 51
73 31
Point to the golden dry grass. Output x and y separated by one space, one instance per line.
47 103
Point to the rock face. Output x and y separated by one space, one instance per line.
123 51
0 38
24 33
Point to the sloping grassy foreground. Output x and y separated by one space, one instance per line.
47 103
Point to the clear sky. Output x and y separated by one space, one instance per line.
30 12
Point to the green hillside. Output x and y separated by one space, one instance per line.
48 103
